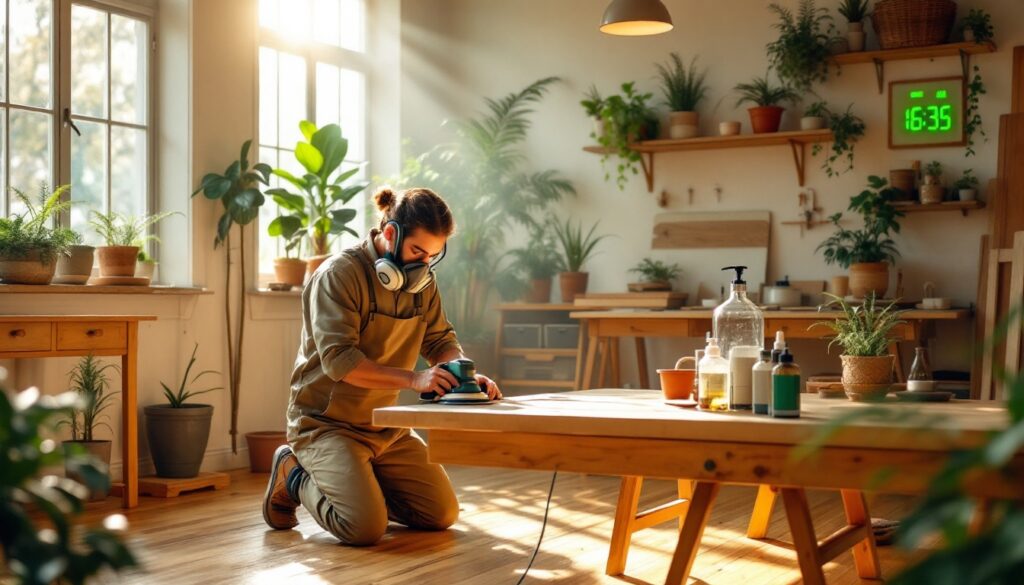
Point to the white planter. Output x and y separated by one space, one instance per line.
729 128
145 270
967 194
855 27
812 123
683 125
969 35
599 128
855 41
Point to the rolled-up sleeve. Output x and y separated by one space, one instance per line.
335 319
440 335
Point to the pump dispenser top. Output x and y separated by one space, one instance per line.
739 273
738 321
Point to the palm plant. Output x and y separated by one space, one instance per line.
32 230
178 398
484 176
864 330
761 92
119 229
801 53
576 248
684 87
89 382
853 10
872 243
538 259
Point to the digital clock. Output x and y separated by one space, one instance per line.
926 112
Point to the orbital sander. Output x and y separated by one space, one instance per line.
467 392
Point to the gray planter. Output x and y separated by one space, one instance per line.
177 438
100 450
75 267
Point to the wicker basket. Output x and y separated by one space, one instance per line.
913 23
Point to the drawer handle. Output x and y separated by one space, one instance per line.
94 332
17 333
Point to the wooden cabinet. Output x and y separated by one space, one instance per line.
25 336
542 360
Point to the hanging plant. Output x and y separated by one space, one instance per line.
627 119
801 54
972 115
847 128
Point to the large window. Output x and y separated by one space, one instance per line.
87 122
312 66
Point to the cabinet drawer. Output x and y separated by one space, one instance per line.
99 335
24 336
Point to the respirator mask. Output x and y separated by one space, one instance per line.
410 277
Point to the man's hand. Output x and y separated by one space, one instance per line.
435 379
488 386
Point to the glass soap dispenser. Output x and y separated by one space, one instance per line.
738 321
920 378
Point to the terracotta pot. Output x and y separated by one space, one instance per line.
100 450
539 291
840 286
75 267
869 277
903 179
572 284
178 437
677 383
683 125
867 378
27 270
812 123
314 262
731 128
766 119
290 270
262 445
118 260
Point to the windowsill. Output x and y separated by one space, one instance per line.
34 289
266 292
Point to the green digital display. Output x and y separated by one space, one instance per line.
927 112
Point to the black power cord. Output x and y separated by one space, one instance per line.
543 526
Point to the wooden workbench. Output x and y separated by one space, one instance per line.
604 328
633 433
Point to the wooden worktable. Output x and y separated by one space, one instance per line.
605 327
633 433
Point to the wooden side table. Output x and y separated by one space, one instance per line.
39 336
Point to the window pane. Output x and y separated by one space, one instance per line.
327 26
31 156
88 61
128 69
3 184
327 101
353 24
292 98
3 64
294 20
268 96
128 164
269 247
353 112
268 13
31 52
88 176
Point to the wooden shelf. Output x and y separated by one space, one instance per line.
797 140
521 351
962 206
539 383
879 58
537 307
64 289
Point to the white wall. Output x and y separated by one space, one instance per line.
456 51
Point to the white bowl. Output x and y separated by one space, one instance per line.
709 303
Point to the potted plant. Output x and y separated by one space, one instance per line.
592 103
29 246
124 235
966 186
628 119
74 266
932 190
847 128
654 275
800 56
537 262
145 266
239 191
291 270
89 382
766 115
865 332
815 116
684 88
866 252
576 250
976 27
854 11
178 431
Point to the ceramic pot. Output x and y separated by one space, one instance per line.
314 262
145 269
290 270
677 383
600 128
968 35
867 378
869 277
683 125
118 260
855 27
730 128
967 194
855 41
100 450
840 286
262 445
539 291
765 119
572 284
812 123
29 269
178 438
75 267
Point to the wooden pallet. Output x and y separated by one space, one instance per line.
163 487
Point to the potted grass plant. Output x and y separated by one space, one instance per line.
966 186
766 115
684 88
627 119
932 190
854 11
29 244
123 235
537 263
800 56
178 431
864 332
576 250
89 382
815 116
868 251
655 275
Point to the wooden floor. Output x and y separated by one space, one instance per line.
220 537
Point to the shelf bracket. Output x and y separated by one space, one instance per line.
799 158
879 73
647 162
965 64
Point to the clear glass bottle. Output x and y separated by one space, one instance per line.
920 377
738 321
714 379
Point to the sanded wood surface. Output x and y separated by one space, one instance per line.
731 229
811 315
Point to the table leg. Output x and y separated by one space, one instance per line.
704 495
684 489
581 343
762 515
804 540
641 362
129 419
894 349
602 366
622 530
613 346
588 368
865 555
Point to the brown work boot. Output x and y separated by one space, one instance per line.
278 506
